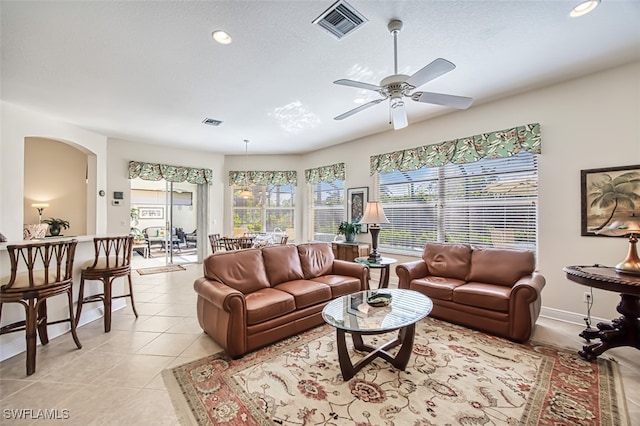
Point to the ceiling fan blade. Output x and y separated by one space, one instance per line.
430 72
358 84
399 117
358 109
459 102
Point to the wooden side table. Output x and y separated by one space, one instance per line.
623 331
383 265
349 251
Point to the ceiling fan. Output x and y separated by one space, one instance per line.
397 86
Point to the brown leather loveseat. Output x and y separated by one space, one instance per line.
490 289
251 298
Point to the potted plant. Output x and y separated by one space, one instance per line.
349 230
56 225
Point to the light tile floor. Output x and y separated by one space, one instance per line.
115 378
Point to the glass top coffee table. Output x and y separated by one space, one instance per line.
352 314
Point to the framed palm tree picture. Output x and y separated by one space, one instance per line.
608 195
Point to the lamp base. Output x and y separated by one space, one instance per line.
631 265
374 257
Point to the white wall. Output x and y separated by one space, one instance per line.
19 123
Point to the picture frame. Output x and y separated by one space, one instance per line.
151 212
357 199
597 210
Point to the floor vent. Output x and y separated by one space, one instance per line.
211 122
340 20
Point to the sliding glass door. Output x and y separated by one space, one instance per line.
166 220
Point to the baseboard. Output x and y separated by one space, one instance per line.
17 345
569 317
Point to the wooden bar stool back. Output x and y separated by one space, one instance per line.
39 271
112 260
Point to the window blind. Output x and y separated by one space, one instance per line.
327 209
491 202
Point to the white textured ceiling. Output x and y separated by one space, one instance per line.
149 71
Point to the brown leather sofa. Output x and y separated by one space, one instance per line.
490 289
251 298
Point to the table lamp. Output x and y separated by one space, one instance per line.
40 207
374 216
631 227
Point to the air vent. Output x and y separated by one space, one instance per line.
340 20
211 122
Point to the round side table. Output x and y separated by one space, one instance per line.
383 265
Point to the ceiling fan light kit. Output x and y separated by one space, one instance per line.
397 86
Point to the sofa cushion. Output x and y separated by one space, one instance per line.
482 295
282 264
340 284
268 303
305 292
447 260
316 259
436 287
242 270
500 266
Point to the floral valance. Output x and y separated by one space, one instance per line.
259 177
325 173
499 144
155 172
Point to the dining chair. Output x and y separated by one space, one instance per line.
232 243
112 260
39 271
216 243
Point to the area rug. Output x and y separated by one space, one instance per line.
455 377
160 269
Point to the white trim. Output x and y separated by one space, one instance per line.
569 317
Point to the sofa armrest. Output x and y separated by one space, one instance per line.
222 313
352 269
524 306
220 295
528 287
410 271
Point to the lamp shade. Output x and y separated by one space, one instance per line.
40 205
374 213
619 228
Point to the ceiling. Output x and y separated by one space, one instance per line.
149 71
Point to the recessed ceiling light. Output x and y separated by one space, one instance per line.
583 8
358 101
221 37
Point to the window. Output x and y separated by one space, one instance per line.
491 202
271 207
327 209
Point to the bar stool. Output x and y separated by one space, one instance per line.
112 260
49 272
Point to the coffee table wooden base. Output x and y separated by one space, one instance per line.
400 360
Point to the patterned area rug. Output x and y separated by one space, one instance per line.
455 377
160 269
